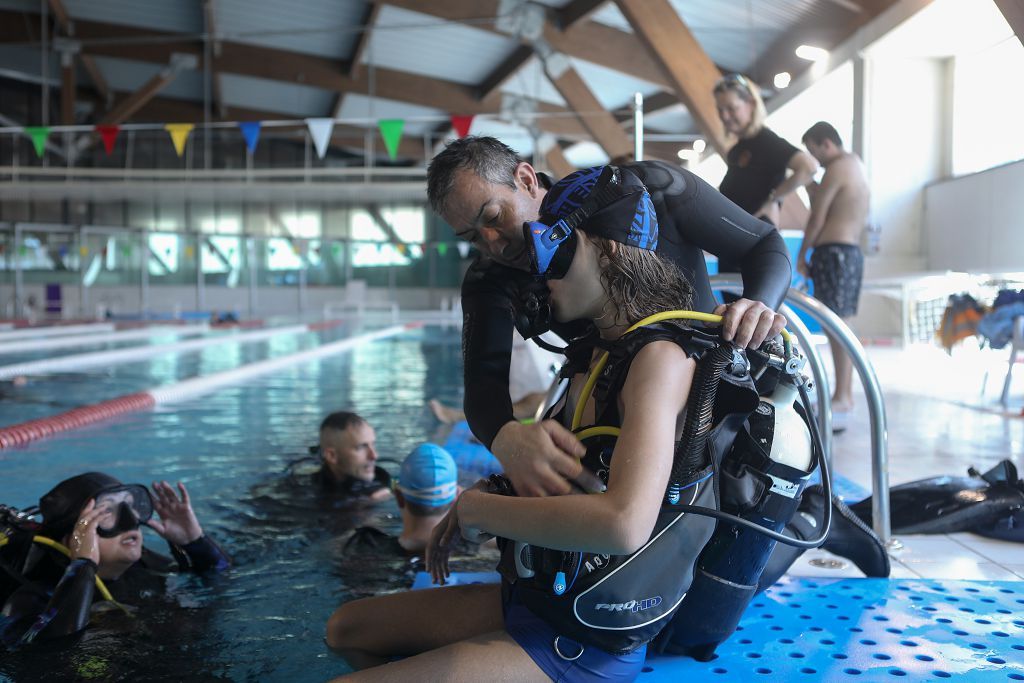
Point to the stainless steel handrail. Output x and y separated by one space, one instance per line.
876 406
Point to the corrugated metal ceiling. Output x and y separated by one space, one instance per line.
421 44
328 28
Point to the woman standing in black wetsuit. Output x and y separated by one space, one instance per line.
758 163
486 192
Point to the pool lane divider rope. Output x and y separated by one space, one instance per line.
83 361
55 330
33 430
23 345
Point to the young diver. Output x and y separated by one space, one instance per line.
46 594
613 279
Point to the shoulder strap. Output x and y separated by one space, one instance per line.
622 352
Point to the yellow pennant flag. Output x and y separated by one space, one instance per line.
179 135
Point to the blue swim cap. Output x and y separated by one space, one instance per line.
429 476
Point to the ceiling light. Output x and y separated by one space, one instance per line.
699 145
782 80
811 53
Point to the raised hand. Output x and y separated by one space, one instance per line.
84 542
177 523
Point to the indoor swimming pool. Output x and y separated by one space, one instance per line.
264 619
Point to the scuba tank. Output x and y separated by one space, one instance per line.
761 479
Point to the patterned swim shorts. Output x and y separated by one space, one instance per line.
837 271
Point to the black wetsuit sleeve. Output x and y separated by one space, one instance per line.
200 555
694 214
487 327
30 615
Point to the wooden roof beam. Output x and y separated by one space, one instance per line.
355 61
826 30
604 129
693 74
60 13
576 11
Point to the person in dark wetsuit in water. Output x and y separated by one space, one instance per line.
47 595
485 191
348 454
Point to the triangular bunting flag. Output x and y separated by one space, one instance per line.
251 133
179 135
109 136
320 131
463 248
391 131
38 135
442 248
401 248
461 125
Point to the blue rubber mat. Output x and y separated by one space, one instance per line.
859 630
868 630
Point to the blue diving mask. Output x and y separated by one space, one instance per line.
551 248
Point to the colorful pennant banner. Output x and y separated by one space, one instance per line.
320 130
109 136
461 125
38 135
251 133
391 131
179 135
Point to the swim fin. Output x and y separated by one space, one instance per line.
944 505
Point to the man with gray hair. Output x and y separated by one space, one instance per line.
486 192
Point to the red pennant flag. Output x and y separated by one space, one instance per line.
109 136
461 125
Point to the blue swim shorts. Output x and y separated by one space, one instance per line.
563 659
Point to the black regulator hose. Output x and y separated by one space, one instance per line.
699 419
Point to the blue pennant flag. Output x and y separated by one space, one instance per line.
251 133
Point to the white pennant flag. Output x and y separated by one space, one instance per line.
320 130
463 248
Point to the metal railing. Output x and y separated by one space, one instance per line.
841 332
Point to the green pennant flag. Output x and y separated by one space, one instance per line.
442 249
39 134
391 131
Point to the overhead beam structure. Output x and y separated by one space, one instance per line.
147 91
602 126
825 29
211 44
67 27
692 73
576 11
355 61
125 42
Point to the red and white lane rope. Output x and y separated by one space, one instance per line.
23 433
85 340
83 361
55 331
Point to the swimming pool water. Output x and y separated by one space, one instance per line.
263 619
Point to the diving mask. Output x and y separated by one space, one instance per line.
128 505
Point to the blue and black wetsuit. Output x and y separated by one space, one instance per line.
693 218
55 596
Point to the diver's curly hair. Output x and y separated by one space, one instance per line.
641 283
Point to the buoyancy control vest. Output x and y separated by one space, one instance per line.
620 602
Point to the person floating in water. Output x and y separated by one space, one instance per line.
348 459
95 520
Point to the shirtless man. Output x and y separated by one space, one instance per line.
839 212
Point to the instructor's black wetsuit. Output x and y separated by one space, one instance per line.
693 217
